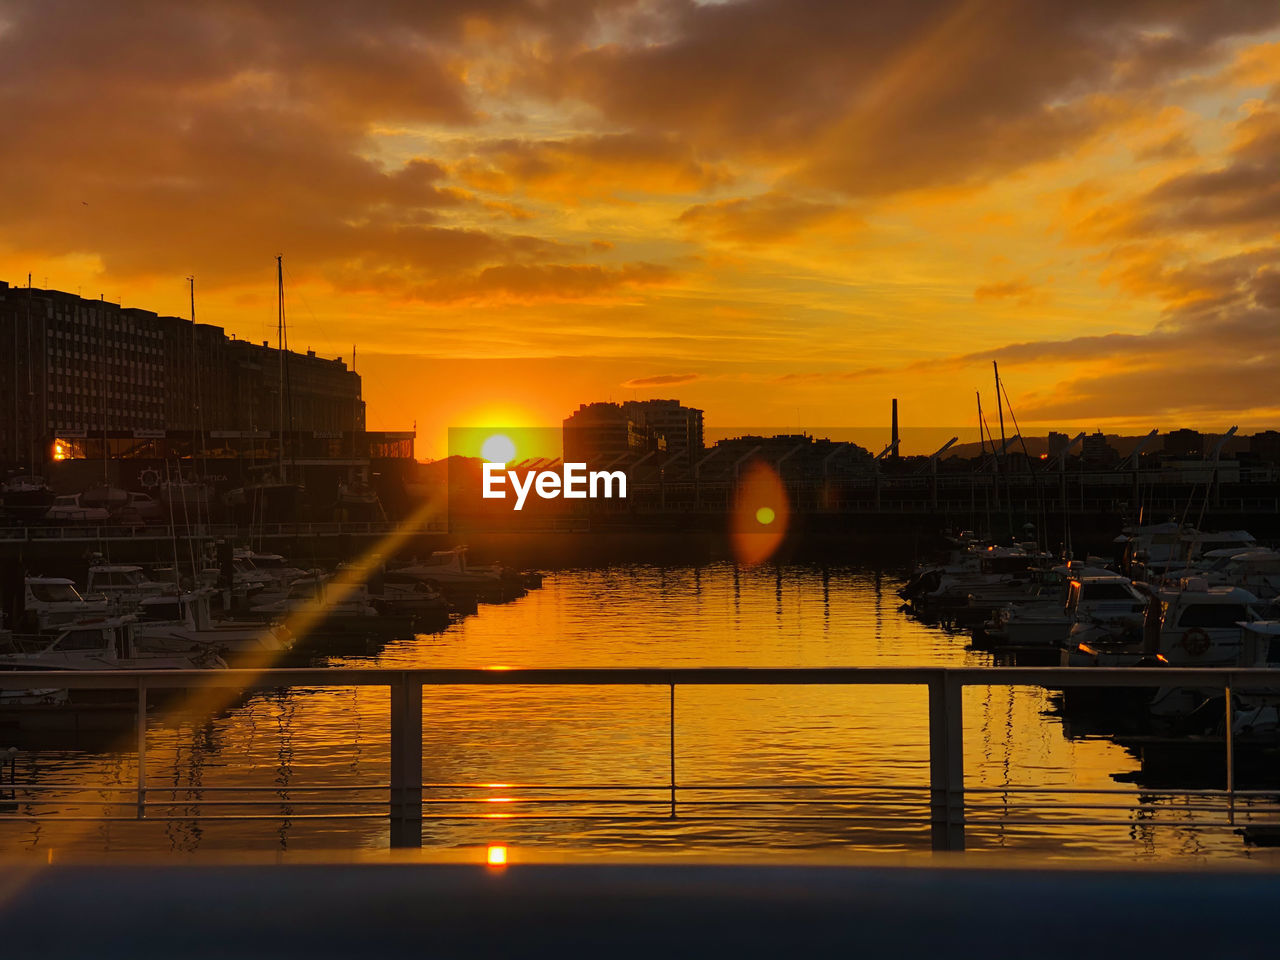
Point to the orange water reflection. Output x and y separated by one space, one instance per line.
535 745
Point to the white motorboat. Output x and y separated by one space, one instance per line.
50 602
399 593
1197 625
997 573
1093 596
68 508
449 572
26 495
271 569
1256 570
1159 549
125 585
322 604
186 623
104 644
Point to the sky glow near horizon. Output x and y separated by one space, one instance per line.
782 212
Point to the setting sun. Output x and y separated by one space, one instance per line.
498 448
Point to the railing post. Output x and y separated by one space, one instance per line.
946 762
671 747
1231 760
142 749
406 762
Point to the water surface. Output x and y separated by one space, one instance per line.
784 748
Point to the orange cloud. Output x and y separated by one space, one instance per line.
1017 290
767 218
661 380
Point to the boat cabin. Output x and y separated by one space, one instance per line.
124 581
191 609
1102 596
51 601
111 638
1200 625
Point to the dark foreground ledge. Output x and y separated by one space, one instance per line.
470 911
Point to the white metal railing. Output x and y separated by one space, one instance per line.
944 803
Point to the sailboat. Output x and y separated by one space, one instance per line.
188 495
272 495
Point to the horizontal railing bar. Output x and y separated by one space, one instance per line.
1243 678
691 818
684 803
74 802
1197 824
1010 788
1247 811
663 787
666 787
156 789
381 804
1143 791
516 801
229 818
67 804
622 801
1136 808
771 818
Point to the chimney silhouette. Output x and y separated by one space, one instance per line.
893 437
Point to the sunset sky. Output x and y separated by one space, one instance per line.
782 211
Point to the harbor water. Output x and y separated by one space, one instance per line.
563 739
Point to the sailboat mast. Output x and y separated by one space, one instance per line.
280 351
196 439
999 402
982 439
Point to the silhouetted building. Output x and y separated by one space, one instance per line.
1184 443
601 434
1265 446
680 427
1096 452
86 366
1058 443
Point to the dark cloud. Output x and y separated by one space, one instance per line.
1171 147
662 380
870 99
1243 194
586 166
766 218
542 281
169 138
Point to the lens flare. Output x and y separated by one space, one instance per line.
760 513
